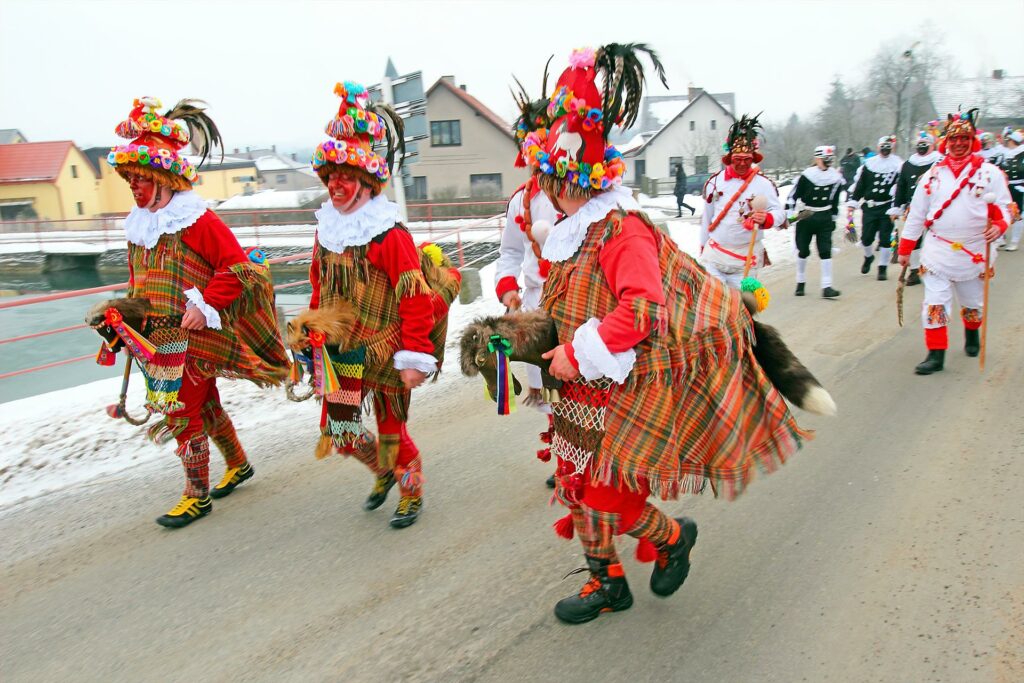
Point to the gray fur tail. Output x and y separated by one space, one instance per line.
788 374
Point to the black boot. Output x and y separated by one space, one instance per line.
380 490
882 273
829 293
673 564
865 267
799 289
603 593
551 482
933 363
914 278
407 512
972 343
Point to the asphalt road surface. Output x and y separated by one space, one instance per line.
891 548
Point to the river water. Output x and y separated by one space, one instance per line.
15 322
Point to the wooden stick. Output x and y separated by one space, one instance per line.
984 306
750 251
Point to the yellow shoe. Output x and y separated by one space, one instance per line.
232 478
185 512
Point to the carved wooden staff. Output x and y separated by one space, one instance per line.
757 203
990 199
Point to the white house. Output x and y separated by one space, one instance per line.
693 137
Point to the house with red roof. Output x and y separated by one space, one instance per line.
470 151
46 180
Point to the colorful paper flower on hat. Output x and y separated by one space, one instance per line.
582 58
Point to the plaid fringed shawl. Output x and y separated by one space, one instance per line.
350 275
697 407
248 346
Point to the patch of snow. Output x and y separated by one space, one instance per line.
272 199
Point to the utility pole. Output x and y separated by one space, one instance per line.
397 182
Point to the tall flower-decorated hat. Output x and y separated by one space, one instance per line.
964 123
574 157
533 117
157 140
743 139
358 131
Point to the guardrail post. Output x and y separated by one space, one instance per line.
458 245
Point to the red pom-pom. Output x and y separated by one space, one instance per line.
520 220
565 529
544 454
545 437
114 411
646 551
544 267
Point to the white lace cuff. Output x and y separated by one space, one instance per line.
895 211
195 298
413 360
594 358
853 204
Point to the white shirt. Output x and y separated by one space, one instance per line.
516 252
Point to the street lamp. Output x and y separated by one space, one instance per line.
908 55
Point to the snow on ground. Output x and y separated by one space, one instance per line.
63 438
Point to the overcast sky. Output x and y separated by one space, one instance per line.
69 70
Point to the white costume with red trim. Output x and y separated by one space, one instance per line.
724 250
517 257
953 255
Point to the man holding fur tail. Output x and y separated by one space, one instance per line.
390 298
198 306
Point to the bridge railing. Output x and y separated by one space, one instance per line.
485 224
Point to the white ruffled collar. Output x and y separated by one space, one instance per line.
828 176
143 227
568 234
336 231
925 159
880 164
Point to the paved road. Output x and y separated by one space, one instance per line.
890 549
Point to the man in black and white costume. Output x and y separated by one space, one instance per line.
813 205
873 189
992 149
924 157
1013 167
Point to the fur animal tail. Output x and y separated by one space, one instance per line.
788 374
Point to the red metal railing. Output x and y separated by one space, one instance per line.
462 263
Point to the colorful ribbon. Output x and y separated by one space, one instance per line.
502 350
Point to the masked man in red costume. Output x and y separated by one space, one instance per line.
209 308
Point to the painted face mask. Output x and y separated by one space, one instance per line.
143 191
922 148
344 191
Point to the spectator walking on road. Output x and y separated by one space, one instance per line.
680 192
849 164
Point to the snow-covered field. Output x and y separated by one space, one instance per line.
62 438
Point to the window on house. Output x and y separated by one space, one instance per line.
243 179
445 134
418 189
74 171
700 165
693 125
714 124
79 207
673 163
485 185
281 179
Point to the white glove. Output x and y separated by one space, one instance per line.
895 211
853 204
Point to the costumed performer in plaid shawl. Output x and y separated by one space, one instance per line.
203 307
729 215
366 267
963 203
662 392
528 220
